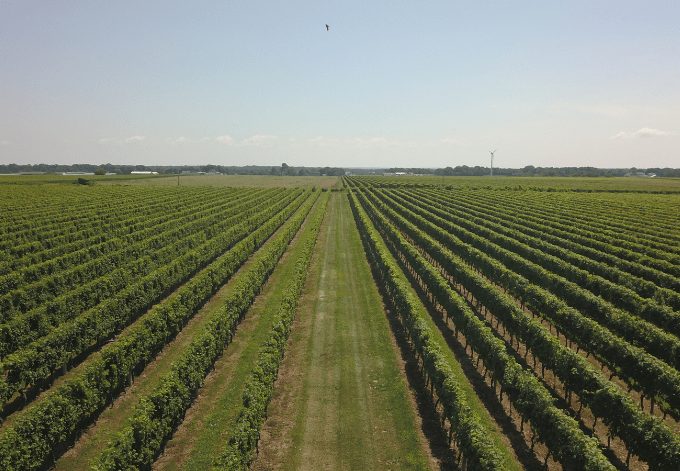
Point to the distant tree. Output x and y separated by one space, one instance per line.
284 168
332 171
447 172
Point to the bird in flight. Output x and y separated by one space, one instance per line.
328 28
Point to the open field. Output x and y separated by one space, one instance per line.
265 181
69 179
400 323
235 181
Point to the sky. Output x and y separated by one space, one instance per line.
393 83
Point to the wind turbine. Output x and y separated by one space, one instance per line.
492 152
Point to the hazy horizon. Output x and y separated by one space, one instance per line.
392 84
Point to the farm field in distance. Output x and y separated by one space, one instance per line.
362 322
240 181
264 181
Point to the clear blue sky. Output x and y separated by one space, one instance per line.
393 83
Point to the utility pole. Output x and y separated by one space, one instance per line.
492 152
178 179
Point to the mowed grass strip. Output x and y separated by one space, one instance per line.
341 401
487 421
207 425
114 418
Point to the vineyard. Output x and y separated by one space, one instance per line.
361 323
565 305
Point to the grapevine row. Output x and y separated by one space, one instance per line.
45 243
644 436
131 229
45 429
35 257
565 277
558 431
154 252
242 445
611 241
471 436
59 231
159 413
641 278
124 247
37 363
637 367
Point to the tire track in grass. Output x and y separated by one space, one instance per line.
341 401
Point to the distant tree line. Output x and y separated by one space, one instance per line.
531 171
288 170
415 171
283 169
528 171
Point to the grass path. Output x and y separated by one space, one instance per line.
91 443
341 401
204 431
112 420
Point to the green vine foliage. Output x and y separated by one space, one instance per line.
43 430
241 448
471 437
644 435
161 412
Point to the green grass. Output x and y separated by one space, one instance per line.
71 179
114 418
205 430
265 181
350 405
473 400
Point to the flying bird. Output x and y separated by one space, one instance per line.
328 28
